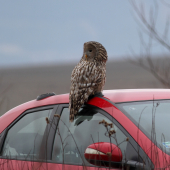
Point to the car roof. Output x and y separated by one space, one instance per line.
119 96
129 95
116 96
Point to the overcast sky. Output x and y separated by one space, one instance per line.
54 31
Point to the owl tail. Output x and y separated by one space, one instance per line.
73 112
77 102
71 115
74 108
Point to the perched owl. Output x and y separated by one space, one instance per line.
88 77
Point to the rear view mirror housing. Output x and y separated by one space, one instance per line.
103 154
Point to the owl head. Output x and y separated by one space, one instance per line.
94 51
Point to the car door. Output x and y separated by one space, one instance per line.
25 144
72 138
43 138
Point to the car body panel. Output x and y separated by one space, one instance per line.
8 117
157 156
106 104
129 95
115 96
6 164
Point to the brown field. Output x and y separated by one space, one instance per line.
24 84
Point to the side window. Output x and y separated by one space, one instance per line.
72 139
24 138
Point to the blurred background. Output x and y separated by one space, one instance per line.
42 41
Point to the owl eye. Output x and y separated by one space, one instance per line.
90 50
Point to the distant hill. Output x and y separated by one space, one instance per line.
27 83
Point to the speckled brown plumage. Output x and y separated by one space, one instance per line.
88 77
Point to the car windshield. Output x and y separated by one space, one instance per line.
153 118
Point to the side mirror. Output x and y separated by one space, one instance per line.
103 154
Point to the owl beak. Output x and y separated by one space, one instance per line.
86 56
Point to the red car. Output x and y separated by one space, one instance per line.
120 130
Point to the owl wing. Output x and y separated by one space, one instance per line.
85 81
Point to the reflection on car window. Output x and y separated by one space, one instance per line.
72 139
24 138
152 117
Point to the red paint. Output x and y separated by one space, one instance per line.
12 114
6 164
104 147
158 158
128 95
115 96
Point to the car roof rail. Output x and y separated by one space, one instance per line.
43 96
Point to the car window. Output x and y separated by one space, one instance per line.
152 117
24 138
72 139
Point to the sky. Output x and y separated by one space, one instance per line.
54 31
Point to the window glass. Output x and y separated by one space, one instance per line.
72 139
152 117
24 138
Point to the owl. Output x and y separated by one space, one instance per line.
88 77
